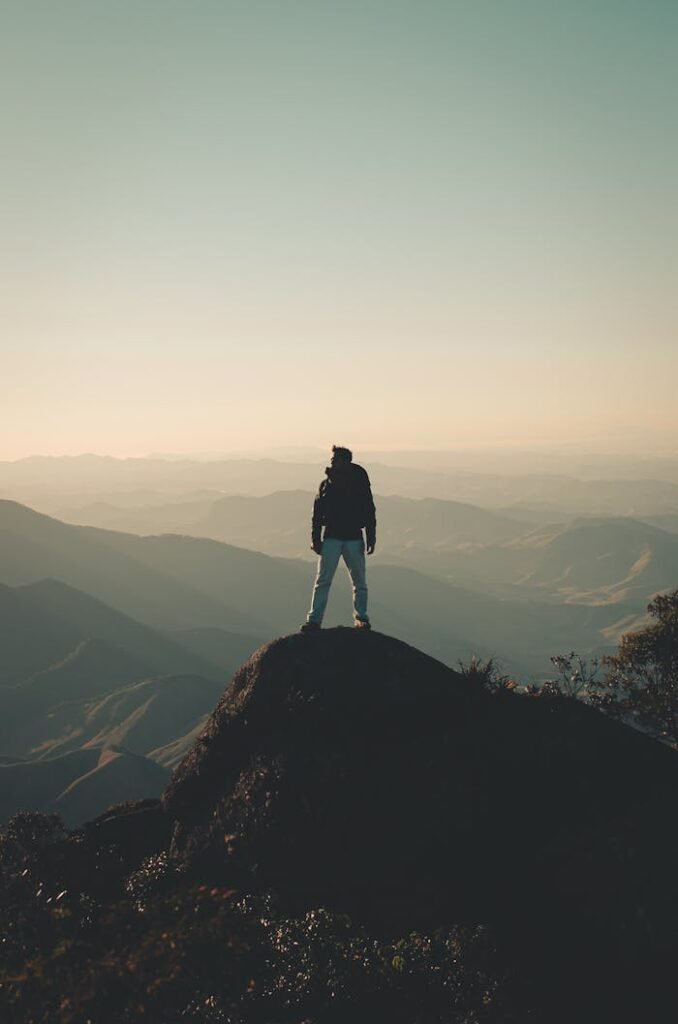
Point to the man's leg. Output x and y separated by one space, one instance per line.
354 556
327 566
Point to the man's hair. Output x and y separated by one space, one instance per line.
343 453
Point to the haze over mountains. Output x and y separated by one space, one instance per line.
127 608
593 558
173 582
543 483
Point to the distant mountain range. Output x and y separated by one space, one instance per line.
184 583
43 623
589 560
279 523
142 718
171 582
93 667
55 483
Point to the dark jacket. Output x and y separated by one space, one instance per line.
344 505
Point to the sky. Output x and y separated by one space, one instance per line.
385 223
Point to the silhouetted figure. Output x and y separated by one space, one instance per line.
342 508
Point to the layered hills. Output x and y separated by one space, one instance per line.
179 583
587 560
171 582
550 489
590 561
278 523
43 623
135 662
78 675
93 667
142 717
79 784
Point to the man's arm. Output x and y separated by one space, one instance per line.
370 518
317 521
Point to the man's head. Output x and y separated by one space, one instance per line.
341 456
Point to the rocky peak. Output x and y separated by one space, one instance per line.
350 768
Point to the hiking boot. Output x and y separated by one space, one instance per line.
362 624
309 627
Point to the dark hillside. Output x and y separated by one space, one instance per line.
360 833
43 623
78 784
140 717
351 770
92 668
32 638
339 761
171 582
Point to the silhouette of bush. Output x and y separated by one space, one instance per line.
205 954
80 942
487 674
643 675
578 678
638 684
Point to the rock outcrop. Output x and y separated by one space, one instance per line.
349 768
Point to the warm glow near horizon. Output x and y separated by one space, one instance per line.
243 225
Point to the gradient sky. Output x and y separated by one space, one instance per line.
398 224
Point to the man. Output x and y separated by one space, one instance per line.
343 506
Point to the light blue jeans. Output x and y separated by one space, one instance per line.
353 553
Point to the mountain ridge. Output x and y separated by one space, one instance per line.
273 594
78 784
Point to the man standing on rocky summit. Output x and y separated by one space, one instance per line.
343 506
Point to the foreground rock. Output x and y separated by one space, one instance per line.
350 769
501 858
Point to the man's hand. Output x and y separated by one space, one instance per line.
371 547
317 546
